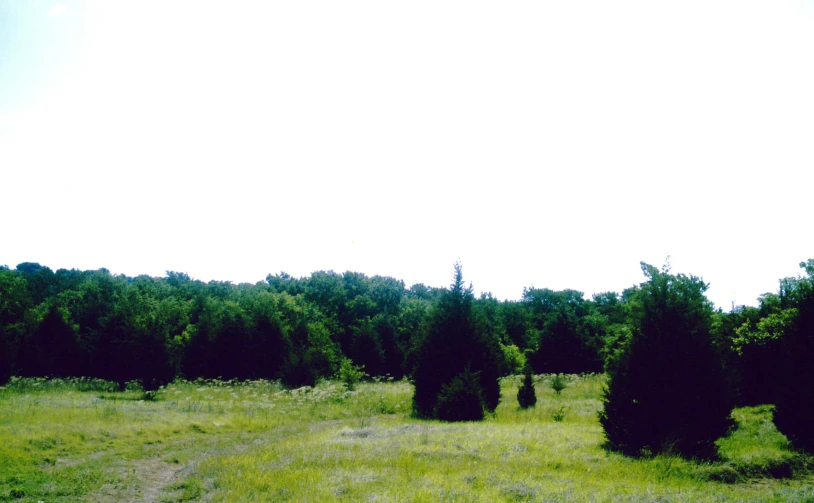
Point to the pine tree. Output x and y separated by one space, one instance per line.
450 346
666 389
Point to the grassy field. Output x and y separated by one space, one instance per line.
213 441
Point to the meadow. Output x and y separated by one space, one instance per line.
79 440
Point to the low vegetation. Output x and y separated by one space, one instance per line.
82 440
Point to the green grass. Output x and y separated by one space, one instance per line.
64 441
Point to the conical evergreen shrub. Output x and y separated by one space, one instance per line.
666 390
526 396
451 345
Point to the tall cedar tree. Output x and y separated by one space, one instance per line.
667 391
451 347
794 415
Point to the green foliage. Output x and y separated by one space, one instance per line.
558 384
515 360
461 399
767 331
617 338
350 374
526 396
123 328
569 331
299 371
795 396
451 345
52 348
666 390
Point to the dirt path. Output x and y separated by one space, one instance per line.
145 479
148 480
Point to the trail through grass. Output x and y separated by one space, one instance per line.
213 441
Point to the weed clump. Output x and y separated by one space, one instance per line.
718 473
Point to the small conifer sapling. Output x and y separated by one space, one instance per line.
526 396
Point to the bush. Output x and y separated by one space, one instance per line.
460 399
558 384
526 396
515 360
667 390
350 374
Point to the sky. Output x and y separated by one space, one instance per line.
553 144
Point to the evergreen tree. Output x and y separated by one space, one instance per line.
526 396
5 358
451 347
667 391
794 415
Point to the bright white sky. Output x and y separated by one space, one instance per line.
546 143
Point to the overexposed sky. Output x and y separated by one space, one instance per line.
545 143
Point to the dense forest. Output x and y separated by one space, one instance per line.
95 324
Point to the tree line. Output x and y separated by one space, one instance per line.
95 324
453 345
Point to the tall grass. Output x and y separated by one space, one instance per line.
77 440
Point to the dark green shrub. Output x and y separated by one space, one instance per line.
298 372
52 348
526 396
794 413
153 363
667 391
5 360
460 399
